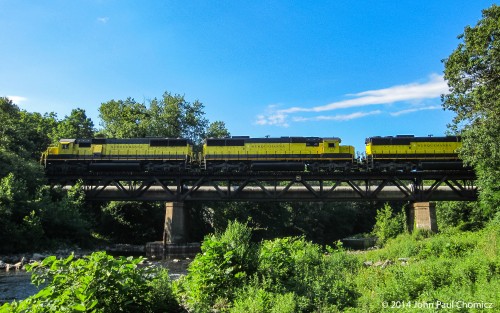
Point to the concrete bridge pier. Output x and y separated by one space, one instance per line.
175 223
422 215
175 235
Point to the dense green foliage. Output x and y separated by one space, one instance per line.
450 267
388 225
33 216
37 218
45 218
473 75
170 116
413 273
76 125
225 263
289 274
323 223
97 283
131 222
462 215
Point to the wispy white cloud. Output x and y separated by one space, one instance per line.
338 117
17 99
272 117
407 93
412 110
103 20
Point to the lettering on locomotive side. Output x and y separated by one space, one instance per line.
139 146
122 146
435 144
267 146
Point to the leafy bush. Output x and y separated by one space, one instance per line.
388 225
295 265
224 264
255 299
282 275
453 266
460 214
97 283
63 215
33 220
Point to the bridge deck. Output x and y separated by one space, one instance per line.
278 186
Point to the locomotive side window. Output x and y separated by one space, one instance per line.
331 145
159 143
65 146
235 143
216 142
178 142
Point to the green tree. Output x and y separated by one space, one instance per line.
37 131
23 133
173 116
123 119
21 228
76 125
473 75
170 116
461 214
13 136
217 129
63 215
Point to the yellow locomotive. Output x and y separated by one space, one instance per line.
314 154
407 152
131 155
276 154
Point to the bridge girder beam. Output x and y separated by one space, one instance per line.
286 187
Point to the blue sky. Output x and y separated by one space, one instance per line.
349 69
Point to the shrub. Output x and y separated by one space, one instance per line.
464 215
63 214
97 283
452 266
224 264
255 299
320 282
282 275
388 225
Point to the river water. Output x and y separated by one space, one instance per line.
16 285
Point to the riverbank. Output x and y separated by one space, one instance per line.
15 282
150 250
16 285
17 261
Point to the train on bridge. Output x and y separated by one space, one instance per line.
244 154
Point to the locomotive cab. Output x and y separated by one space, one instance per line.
65 146
331 145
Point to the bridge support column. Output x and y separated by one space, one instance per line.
423 216
175 223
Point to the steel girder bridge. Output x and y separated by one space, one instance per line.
277 186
